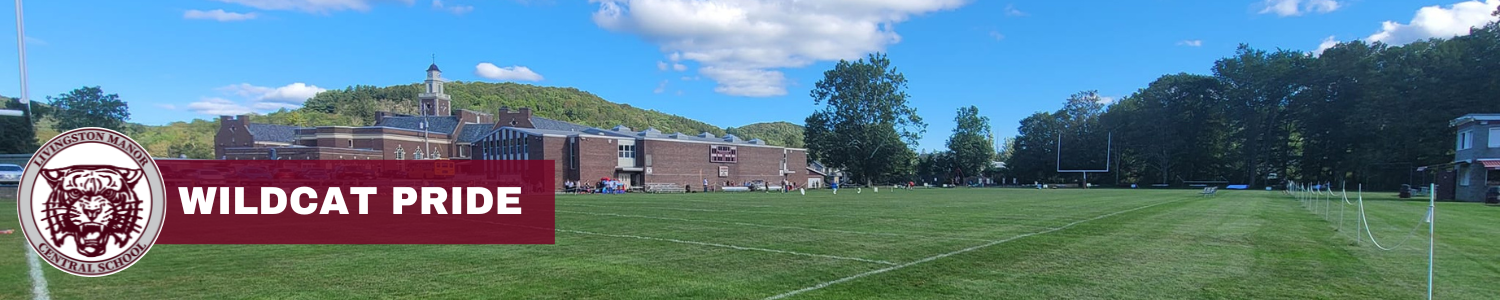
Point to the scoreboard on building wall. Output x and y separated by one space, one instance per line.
722 154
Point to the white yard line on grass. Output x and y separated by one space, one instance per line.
772 226
798 214
685 209
38 282
678 201
691 242
727 246
935 257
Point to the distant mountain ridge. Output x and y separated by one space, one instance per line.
780 133
356 106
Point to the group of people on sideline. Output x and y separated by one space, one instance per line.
603 186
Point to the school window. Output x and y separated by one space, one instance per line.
572 153
627 151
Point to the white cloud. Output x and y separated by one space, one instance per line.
253 99
1288 8
996 35
455 9
33 41
313 6
661 65
273 106
1437 22
217 15
1106 100
1191 43
662 87
1010 10
166 106
741 44
511 73
292 94
218 106
1327 43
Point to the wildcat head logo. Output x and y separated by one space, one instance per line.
95 206
91 202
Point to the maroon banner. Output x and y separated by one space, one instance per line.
358 202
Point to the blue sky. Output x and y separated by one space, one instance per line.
725 62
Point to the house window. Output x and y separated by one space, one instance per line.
1495 137
400 153
1463 175
1465 140
627 151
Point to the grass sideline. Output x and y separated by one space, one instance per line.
1238 245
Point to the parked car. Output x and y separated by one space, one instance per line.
315 174
252 173
284 174
10 174
210 174
353 173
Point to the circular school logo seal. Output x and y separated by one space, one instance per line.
91 202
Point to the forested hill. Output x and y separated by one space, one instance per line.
566 104
776 133
356 106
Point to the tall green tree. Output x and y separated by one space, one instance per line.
1007 148
19 135
1085 140
1172 128
970 143
1260 86
89 106
865 126
1035 148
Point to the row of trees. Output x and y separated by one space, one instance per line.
867 129
1360 112
87 106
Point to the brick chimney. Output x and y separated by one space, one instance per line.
508 118
234 131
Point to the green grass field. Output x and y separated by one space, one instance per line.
922 244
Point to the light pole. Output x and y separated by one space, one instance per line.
21 47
